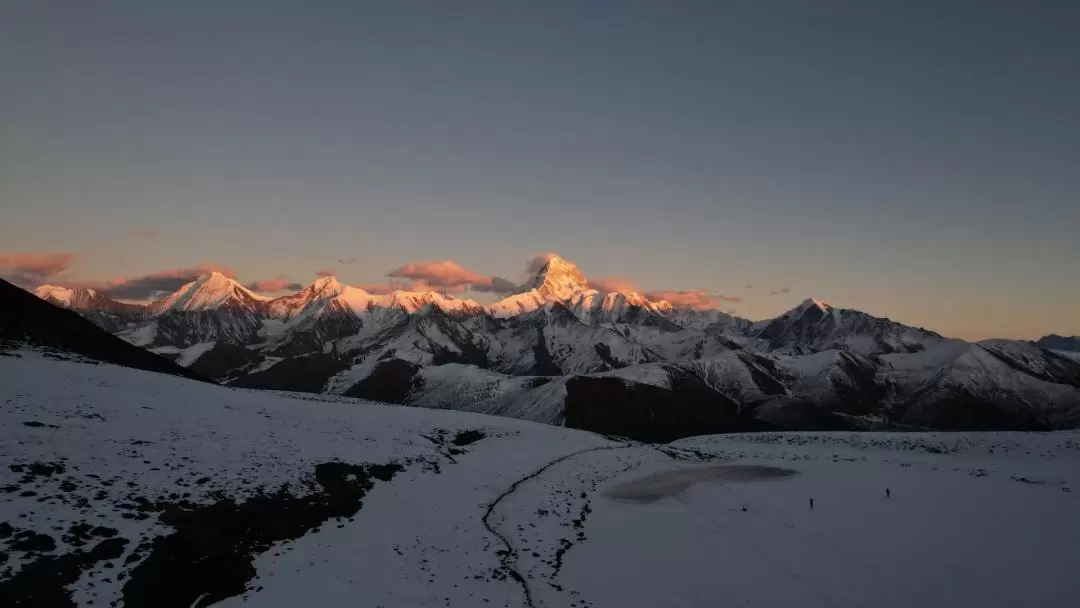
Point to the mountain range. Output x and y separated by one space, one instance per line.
562 352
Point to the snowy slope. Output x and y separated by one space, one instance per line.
127 478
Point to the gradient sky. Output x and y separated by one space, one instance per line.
916 160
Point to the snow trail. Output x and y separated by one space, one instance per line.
509 553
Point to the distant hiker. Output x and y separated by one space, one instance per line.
811 503
888 494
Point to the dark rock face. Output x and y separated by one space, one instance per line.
184 329
391 382
225 361
545 365
467 351
1056 342
29 318
308 374
650 413
957 409
857 388
211 554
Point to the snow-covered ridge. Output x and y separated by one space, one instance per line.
855 370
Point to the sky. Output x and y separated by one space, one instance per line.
915 160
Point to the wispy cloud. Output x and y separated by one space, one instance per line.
537 263
781 291
695 299
273 285
325 273
496 285
612 284
33 268
378 288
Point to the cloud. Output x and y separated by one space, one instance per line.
424 286
443 273
447 276
781 291
153 285
748 286
496 285
537 263
34 268
347 261
378 289
612 284
144 234
325 273
273 285
696 299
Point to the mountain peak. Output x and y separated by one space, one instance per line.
62 295
326 284
558 279
77 298
813 303
209 291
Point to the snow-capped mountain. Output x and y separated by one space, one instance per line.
287 307
214 291
107 313
557 281
30 321
533 354
814 325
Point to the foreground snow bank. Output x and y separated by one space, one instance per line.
101 465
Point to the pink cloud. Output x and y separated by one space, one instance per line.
325 273
695 299
781 291
274 285
378 289
612 284
442 273
30 268
447 276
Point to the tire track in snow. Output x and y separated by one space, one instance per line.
508 555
